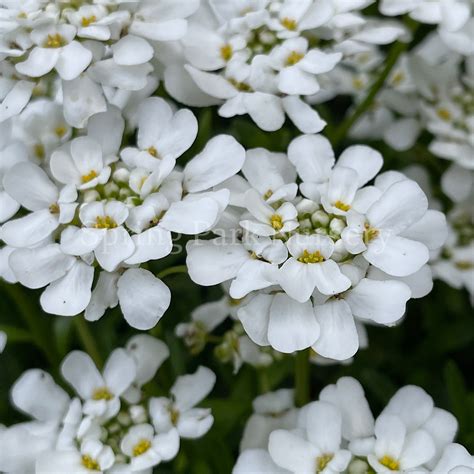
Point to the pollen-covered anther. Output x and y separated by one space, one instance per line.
60 131
370 233
389 463
322 461
90 463
54 41
102 393
54 208
276 221
342 206
293 58
311 257
152 151
226 52
141 447
444 114
289 23
88 20
89 176
105 222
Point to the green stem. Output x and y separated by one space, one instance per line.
173 270
302 382
32 318
341 132
88 341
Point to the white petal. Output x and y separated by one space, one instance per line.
419 448
338 339
119 371
103 296
131 50
152 244
323 424
116 247
265 110
71 294
143 298
189 390
390 436
39 62
430 230
255 317
306 119
73 59
292 325
16 99
258 461
366 161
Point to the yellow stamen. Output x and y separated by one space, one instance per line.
464 265
226 52
54 208
104 222
89 176
322 462
234 301
54 41
398 78
293 58
390 463
342 206
370 233
102 393
444 114
276 221
86 21
60 131
307 257
153 151
22 15
240 86
38 150
141 447
90 463
268 194
358 83
289 23
174 416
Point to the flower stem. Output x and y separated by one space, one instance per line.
173 270
32 318
392 57
88 341
302 382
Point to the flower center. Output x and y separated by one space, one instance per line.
54 208
289 23
276 221
141 447
293 58
105 222
60 131
54 41
87 20
102 393
342 206
268 194
153 151
240 86
89 176
464 265
38 150
226 52
311 257
322 461
390 463
90 463
370 233
444 114
174 416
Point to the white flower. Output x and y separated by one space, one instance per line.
100 392
55 49
320 449
30 186
455 460
180 411
147 449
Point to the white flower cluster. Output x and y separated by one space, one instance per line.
93 208
110 425
313 258
338 433
261 57
101 51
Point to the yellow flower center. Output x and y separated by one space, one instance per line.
102 393
390 463
226 52
276 221
464 265
268 194
152 151
141 447
322 461
289 23
342 206
240 86
370 233
174 415
60 131
311 257
38 150
87 20
234 301
444 114
89 176
54 208
54 41
90 463
398 78
358 83
22 15
293 58
105 222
